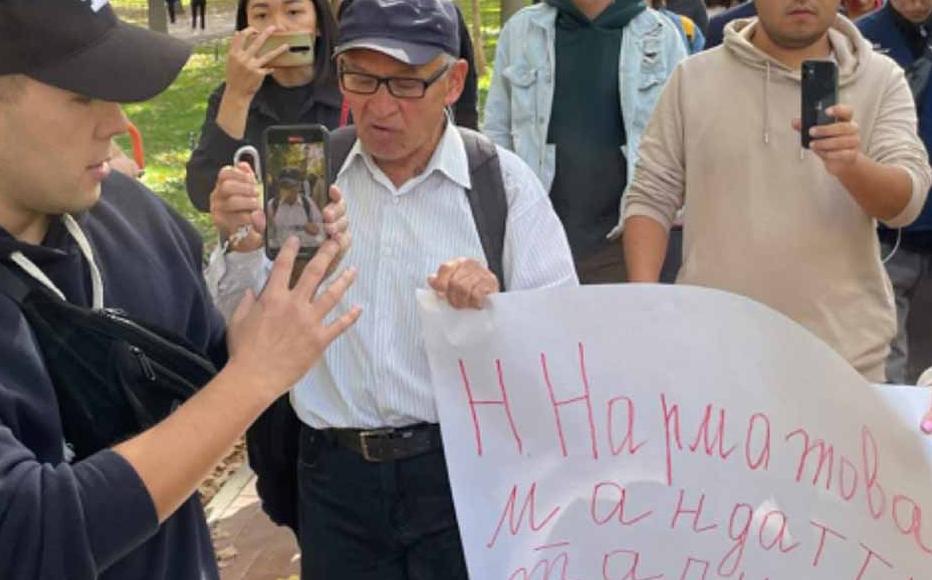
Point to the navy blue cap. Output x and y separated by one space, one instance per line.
412 31
81 46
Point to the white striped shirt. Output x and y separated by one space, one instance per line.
377 374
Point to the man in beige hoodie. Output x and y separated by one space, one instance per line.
789 227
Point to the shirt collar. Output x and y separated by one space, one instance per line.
449 159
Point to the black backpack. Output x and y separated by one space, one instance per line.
114 377
272 441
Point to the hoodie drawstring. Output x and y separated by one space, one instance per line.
97 284
767 104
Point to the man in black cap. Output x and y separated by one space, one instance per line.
374 495
75 232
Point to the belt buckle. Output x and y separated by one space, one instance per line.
364 437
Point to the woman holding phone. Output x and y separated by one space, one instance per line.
263 86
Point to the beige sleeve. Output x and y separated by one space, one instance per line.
895 141
657 189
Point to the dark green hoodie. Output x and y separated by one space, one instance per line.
586 122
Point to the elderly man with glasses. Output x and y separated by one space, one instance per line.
373 498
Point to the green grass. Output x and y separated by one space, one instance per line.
171 122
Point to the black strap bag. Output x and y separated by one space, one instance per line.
114 377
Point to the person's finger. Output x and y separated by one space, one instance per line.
335 229
926 424
262 60
283 265
838 156
327 300
239 39
841 113
242 309
441 280
461 282
235 188
334 210
226 173
833 130
258 221
316 269
485 285
254 46
246 172
843 143
796 123
341 324
336 196
237 203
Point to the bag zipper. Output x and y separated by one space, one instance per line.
144 362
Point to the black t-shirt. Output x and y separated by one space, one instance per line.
287 102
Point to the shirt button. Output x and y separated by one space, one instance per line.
396 200
387 251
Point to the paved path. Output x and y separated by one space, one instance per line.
249 546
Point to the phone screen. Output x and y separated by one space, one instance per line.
296 188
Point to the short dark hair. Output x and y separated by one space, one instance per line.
324 67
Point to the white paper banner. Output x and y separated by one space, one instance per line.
658 432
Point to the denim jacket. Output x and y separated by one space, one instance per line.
517 111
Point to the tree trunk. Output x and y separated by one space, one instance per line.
158 18
478 42
509 7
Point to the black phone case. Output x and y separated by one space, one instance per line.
819 92
278 134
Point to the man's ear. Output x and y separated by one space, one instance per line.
456 80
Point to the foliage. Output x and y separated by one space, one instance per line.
170 122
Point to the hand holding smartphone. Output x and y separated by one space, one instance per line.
300 49
819 93
296 186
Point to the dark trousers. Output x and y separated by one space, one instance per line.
171 10
198 7
605 266
365 521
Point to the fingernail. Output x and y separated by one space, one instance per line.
927 426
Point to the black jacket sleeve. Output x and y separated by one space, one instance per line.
214 150
466 109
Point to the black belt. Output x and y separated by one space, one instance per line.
389 444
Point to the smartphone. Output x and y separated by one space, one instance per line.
296 186
300 53
819 92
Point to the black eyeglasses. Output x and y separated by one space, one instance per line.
400 87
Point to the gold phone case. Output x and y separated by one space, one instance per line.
301 52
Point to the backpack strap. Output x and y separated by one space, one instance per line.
487 198
341 143
306 203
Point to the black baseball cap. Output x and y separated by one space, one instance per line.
412 31
81 46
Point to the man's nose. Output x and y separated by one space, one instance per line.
382 102
113 120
